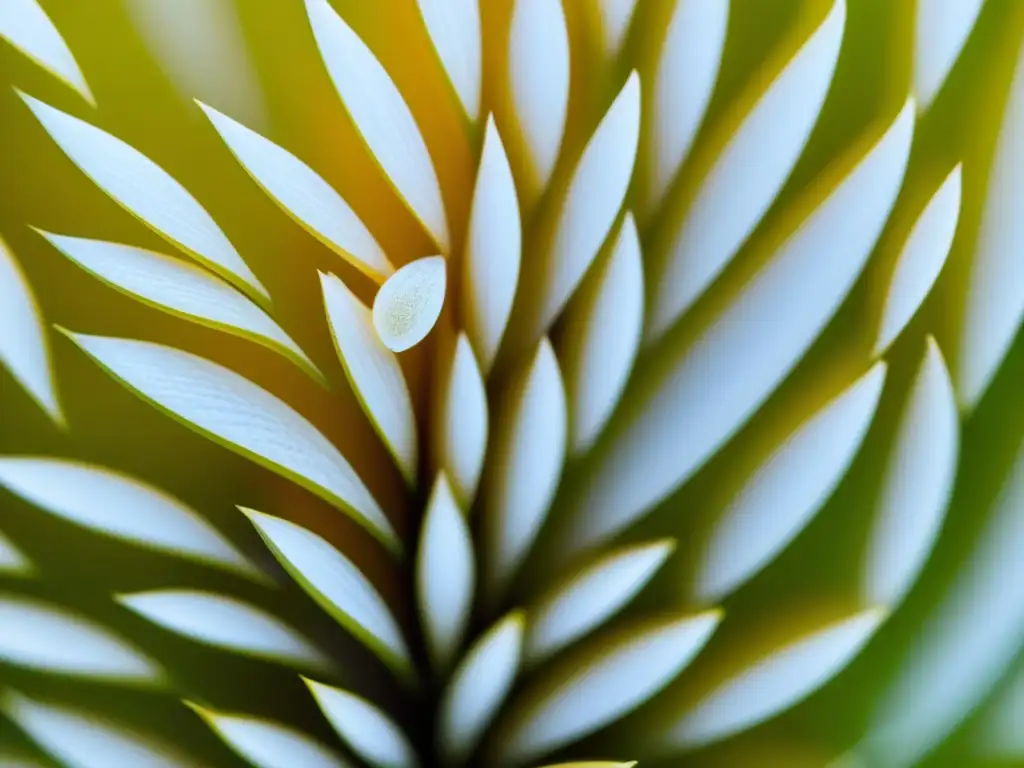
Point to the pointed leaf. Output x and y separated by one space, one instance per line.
224 623
479 688
747 351
407 306
681 87
538 70
303 195
591 597
601 336
336 584
145 190
268 745
117 505
24 350
183 290
80 740
374 373
581 696
775 683
454 27
381 116
921 260
50 640
370 733
493 250
593 200
529 450
25 25
463 428
995 290
917 486
614 17
748 174
445 575
240 415
940 30
785 493
12 561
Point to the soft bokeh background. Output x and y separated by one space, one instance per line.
256 61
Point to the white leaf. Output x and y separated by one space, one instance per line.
941 28
240 415
590 597
614 17
370 733
479 687
776 682
23 346
50 640
445 575
995 289
601 336
81 740
965 645
746 177
684 79
182 289
117 505
12 561
407 306
538 70
580 697
493 249
381 116
529 451
745 353
593 200
463 428
785 493
921 260
145 190
454 27
269 745
303 195
224 623
25 25
917 486
336 584
374 373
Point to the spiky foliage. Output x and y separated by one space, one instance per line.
637 427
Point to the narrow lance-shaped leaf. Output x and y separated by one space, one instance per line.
748 173
96 498
374 373
490 273
145 190
463 427
941 28
303 195
745 353
591 597
788 489
370 733
615 677
614 17
231 410
454 27
183 290
381 116
336 585
266 744
44 638
407 306
25 25
917 485
226 623
24 350
445 575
